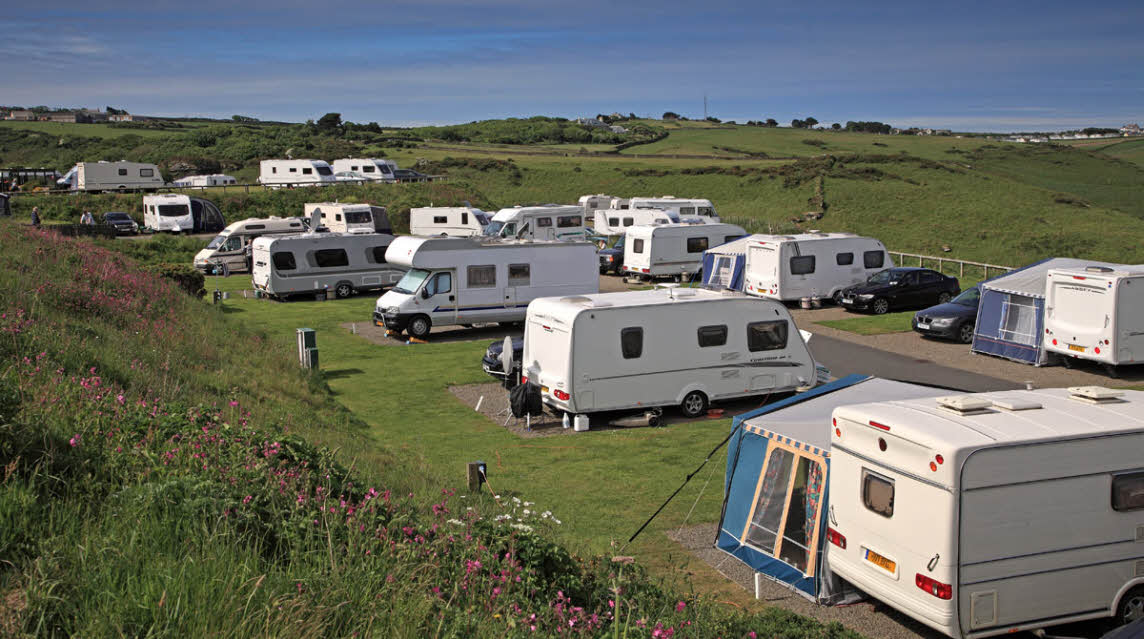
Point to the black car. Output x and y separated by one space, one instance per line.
612 258
900 287
953 320
122 222
491 362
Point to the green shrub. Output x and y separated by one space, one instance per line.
189 278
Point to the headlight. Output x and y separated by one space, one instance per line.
942 322
392 310
866 297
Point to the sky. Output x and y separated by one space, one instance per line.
968 66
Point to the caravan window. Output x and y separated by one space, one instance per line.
331 258
284 261
637 246
696 244
712 335
273 169
873 259
307 171
123 171
767 336
631 342
801 264
844 259
440 219
519 274
324 170
543 222
1128 492
878 493
338 217
569 221
294 169
146 172
378 253
482 276
613 221
629 221
464 218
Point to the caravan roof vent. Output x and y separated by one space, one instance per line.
1095 394
1098 269
1015 403
580 300
964 404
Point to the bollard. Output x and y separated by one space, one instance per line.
311 359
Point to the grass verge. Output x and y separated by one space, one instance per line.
873 324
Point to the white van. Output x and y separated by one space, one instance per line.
349 218
819 265
113 176
215 179
228 248
1096 313
290 173
372 169
453 221
314 262
679 347
687 209
456 280
991 513
616 221
547 222
168 212
670 250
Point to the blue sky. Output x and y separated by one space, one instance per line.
974 66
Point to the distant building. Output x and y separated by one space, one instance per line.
591 122
1131 129
23 115
615 128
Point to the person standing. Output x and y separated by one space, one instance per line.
36 216
87 218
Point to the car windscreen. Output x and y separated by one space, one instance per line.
358 217
411 281
174 210
117 217
968 297
218 240
882 277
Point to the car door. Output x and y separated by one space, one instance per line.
907 292
931 287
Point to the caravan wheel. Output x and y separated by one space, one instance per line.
1131 607
344 290
694 404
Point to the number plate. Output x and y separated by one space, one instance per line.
1074 347
848 300
544 390
889 565
923 326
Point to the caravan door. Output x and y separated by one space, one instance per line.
441 295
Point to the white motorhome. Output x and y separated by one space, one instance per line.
113 176
314 262
616 221
671 250
228 248
456 280
168 212
349 218
687 209
214 179
546 222
1096 313
986 514
453 221
591 203
290 173
818 265
372 169
681 347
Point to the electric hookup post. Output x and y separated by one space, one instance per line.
307 348
476 475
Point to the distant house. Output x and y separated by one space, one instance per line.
615 128
591 122
23 115
1131 129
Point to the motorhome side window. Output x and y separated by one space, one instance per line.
637 246
1128 492
146 172
519 274
873 259
844 259
801 264
631 342
696 244
440 219
706 211
878 493
284 261
613 221
629 221
379 254
482 276
687 210
767 336
123 171
568 221
712 335
543 222
330 258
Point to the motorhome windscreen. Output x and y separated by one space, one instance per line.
324 170
494 228
217 241
174 210
358 217
411 281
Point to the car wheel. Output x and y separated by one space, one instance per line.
944 298
344 290
694 404
880 306
965 333
419 327
1131 607
837 298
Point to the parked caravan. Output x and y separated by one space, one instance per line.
350 218
453 221
687 209
589 203
617 221
313 262
372 169
985 514
113 176
776 496
290 173
1096 313
228 248
681 347
818 265
168 212
215 179
547 222
456 280
1011 314
670 250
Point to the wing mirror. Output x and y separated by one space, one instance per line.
425 293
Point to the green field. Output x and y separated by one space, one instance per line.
102 131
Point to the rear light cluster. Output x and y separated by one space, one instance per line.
938 460
837 430
561 395
836 538
933 586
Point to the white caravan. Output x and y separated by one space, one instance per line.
991 513
671 250
681 347
290 173
168 212
372 169
819 265
314 262
112 176
547 222
453 221
215 179
686 209
591 203
1096 313
457 280
616 221
228 248
349 218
